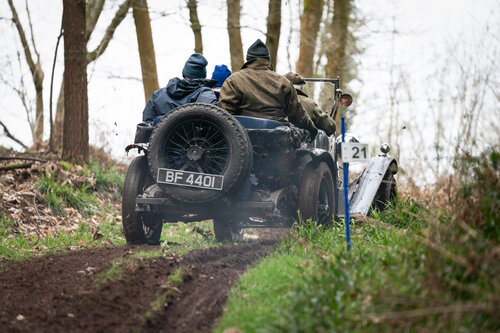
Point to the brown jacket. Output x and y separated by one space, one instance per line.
257 91
321 120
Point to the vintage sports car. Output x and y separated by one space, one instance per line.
200 162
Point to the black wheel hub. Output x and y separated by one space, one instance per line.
194 153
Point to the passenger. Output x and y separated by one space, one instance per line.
192 88
257 91
220 74
321 120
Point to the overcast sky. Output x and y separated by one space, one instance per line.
405 39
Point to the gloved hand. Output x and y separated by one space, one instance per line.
313 132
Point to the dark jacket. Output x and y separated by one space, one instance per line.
177 92
320 119
257 91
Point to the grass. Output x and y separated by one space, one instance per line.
412 267
155 307
404 213
16 246
312 284
130 263
57 195
107 179
175 279
167 292
104 181
180 238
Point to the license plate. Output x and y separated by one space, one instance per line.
190 179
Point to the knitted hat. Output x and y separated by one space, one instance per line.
195 67
221 73
295 78
258 50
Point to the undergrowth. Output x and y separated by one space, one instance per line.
100 180
412 267
107 178
57 195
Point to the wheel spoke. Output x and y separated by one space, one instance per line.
202 136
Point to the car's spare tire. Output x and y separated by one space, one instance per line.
203 139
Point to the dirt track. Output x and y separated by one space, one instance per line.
62 294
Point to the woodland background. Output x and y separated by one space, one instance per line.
423 73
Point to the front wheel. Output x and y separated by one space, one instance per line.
386 193
139 228
228 230
316 194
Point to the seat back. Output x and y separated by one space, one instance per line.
257 123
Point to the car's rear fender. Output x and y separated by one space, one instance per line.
369 183
316 155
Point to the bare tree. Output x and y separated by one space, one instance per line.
76 128
336 52
146 47
324 37
309 27
20 89
195 25
34 66
94 9
233 30
273 29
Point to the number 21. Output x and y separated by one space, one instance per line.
356 152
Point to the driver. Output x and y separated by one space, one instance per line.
258 91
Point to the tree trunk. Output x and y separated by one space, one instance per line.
94 11
76 127
195 25
146 47
324 38
35 69
336 53
309 27
273 29
233 30
59 119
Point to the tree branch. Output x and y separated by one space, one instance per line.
51 138
119 16
94 10
16 166
22 158
27 51
10 136
31 33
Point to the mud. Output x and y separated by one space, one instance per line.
65 293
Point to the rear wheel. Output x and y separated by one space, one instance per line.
228 230
139 228
316 194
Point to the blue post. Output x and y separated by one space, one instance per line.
346 191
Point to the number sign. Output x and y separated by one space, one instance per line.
354 152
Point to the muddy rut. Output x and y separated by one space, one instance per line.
67 293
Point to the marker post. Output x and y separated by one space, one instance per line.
345 167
